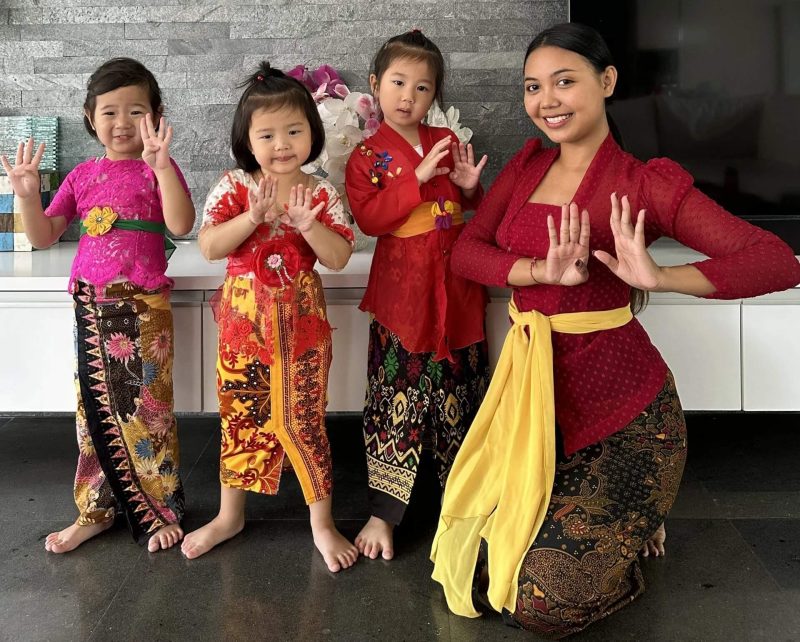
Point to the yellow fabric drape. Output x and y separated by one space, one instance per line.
423 220
500 484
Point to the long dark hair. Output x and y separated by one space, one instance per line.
268 88
413 45
589 44
114 74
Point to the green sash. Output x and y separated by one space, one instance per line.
142 226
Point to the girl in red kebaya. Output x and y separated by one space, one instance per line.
408 184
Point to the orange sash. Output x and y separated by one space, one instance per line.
423 218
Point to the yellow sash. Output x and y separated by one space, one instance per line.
423 218
499 487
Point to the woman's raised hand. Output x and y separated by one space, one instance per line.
24 175
567 260
633 263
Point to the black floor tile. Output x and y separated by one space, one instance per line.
745 451
776 543
44 596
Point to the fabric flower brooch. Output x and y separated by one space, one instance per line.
99 220
442 211
276 262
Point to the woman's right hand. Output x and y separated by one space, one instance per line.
427 169
567 261
262 200
24 176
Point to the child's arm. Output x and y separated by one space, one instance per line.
218 240
331 248
175 202
42 231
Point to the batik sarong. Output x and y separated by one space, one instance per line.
272 377
607 500
127 433
415 404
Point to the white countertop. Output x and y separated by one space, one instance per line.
48 270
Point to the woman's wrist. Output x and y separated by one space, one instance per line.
535 271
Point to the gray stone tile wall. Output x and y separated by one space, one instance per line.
200 50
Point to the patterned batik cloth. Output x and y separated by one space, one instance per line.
272 375
415 403
608 499
127 433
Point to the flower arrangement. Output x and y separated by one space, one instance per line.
348 118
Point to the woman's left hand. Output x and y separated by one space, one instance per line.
633 263
300 215
465 173
156 143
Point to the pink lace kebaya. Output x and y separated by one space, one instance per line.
130 189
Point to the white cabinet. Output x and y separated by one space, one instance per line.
347 382
187 370
210 347
700 341
38 355
771 352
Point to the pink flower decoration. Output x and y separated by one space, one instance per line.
120 347
301 73
328 76
365 108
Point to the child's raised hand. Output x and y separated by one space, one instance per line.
300 214
466 174
262 200
156 143
427 169
24 176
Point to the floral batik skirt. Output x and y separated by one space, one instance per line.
415 404
607 500
272 378
127 434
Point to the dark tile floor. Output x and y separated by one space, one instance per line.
732 571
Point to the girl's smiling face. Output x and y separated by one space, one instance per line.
565 95
405 93
116 120
280 140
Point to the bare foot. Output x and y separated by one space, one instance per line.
337 551
73 536
376 538
202 540
165 537
655 545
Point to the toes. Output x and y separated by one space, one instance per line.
153 544
334 566
388 553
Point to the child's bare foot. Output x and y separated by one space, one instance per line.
73 536
166 537
376 538
218 530
337 551
655 545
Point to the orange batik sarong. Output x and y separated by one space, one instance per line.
272 380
